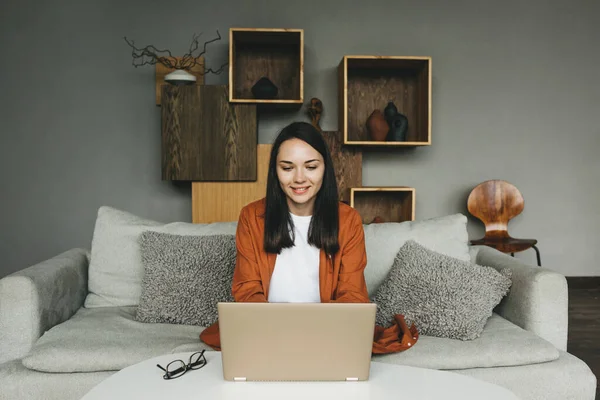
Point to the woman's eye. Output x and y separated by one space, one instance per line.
311 167
286 168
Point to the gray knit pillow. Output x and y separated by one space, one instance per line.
185 277
441 295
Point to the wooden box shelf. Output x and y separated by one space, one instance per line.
367 83
391 204
277 54
206 138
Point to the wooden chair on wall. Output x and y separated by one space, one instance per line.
495 202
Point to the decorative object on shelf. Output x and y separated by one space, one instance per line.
277 53
314 110
377 126
264 89
397 122
180 66
180 77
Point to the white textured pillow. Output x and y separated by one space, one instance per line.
447 235
116 270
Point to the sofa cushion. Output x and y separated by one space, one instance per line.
447 235
185 277
116 270
107 339
443 296
501 343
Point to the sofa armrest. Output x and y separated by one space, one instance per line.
35 299
538 298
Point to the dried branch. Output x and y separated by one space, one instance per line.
150 55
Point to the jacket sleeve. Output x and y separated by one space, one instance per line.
247 283
351 286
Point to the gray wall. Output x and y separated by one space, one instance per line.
515 97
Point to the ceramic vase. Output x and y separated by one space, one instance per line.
377 126
397 122
264 89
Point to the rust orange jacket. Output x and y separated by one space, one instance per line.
341 277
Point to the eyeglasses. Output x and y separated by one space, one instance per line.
177 368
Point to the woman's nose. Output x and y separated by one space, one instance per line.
299 175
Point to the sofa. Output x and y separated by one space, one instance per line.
69 322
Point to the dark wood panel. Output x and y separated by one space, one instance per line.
204 137
584 322
384 204
347 163
584 282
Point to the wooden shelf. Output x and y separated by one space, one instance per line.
367 83
277 54
392 204
206 138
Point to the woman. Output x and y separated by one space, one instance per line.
299 243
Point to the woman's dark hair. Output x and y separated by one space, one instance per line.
324 225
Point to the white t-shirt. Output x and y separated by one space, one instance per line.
295 278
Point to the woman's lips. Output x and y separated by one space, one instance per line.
300 190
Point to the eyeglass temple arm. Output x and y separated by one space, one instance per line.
161 367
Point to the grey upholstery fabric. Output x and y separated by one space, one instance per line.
538 297
536 301
116 270
20 383
185 277
447 235
501 344
110 338
107 338
443 296
567 378
36 298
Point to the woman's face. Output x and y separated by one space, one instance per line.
300 170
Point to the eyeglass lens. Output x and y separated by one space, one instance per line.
176 368
197 360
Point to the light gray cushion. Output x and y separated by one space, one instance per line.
568 377
20 382
447 235
443 296
108 339
116 270
501 343
185 277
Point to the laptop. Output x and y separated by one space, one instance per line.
296 341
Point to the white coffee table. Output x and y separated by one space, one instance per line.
144 381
